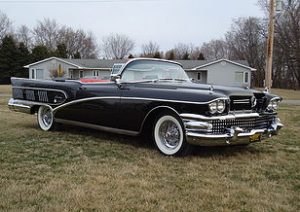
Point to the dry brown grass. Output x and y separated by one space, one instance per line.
286 94
78 169
5 89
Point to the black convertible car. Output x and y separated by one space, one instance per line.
154 95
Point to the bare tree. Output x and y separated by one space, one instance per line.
183 51
215 49
78 42
286 68
117 46
150 49
24 35
5 26
46 33
246 41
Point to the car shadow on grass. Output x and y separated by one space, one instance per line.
145 142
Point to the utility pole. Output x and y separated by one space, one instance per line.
270 41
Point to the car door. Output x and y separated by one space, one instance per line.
95 104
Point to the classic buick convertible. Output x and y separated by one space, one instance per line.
154 95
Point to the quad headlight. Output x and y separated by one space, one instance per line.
273 104
217 106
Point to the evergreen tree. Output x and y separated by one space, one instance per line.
130 56
200 56
23 58
9 64
157 55
77 55
186 56
61 51
171 55
40 52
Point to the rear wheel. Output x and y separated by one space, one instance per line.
45 118
169 135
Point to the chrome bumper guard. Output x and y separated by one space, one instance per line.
20 106
199 130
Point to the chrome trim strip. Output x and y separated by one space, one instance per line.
230 116
132 98
153 109
97 127
83 100
276 98
198 135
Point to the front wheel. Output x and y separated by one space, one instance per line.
45 118
169 136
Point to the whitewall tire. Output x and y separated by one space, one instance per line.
45 118
169 135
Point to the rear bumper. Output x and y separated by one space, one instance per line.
20 106
199 130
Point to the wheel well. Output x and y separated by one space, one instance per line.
150 117
34 109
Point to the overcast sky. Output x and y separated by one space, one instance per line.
166 22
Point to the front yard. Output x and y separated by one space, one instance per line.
78 169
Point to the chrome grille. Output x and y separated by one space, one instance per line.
43 96
30 95
240 103
220 126
36 95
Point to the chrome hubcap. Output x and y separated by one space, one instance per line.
169 134
47 117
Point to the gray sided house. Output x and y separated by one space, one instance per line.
218 72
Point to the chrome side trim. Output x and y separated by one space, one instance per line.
97 127
133 98
152 110
83 100
230 116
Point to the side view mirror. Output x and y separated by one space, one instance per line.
114 77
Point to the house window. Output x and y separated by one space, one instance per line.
96 73
39 74
239 77
32 74
71 74
246 80
199 76
81 74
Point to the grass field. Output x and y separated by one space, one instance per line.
83 170
5 89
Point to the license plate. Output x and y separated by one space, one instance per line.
256 137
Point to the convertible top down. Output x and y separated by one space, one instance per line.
154 95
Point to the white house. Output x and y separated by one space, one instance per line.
220 72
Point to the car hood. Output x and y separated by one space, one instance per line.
186 91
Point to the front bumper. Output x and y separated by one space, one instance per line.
234 129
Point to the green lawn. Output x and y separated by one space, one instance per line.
84 170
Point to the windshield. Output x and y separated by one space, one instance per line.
143 70
116 68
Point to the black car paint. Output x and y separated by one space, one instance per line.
126 105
